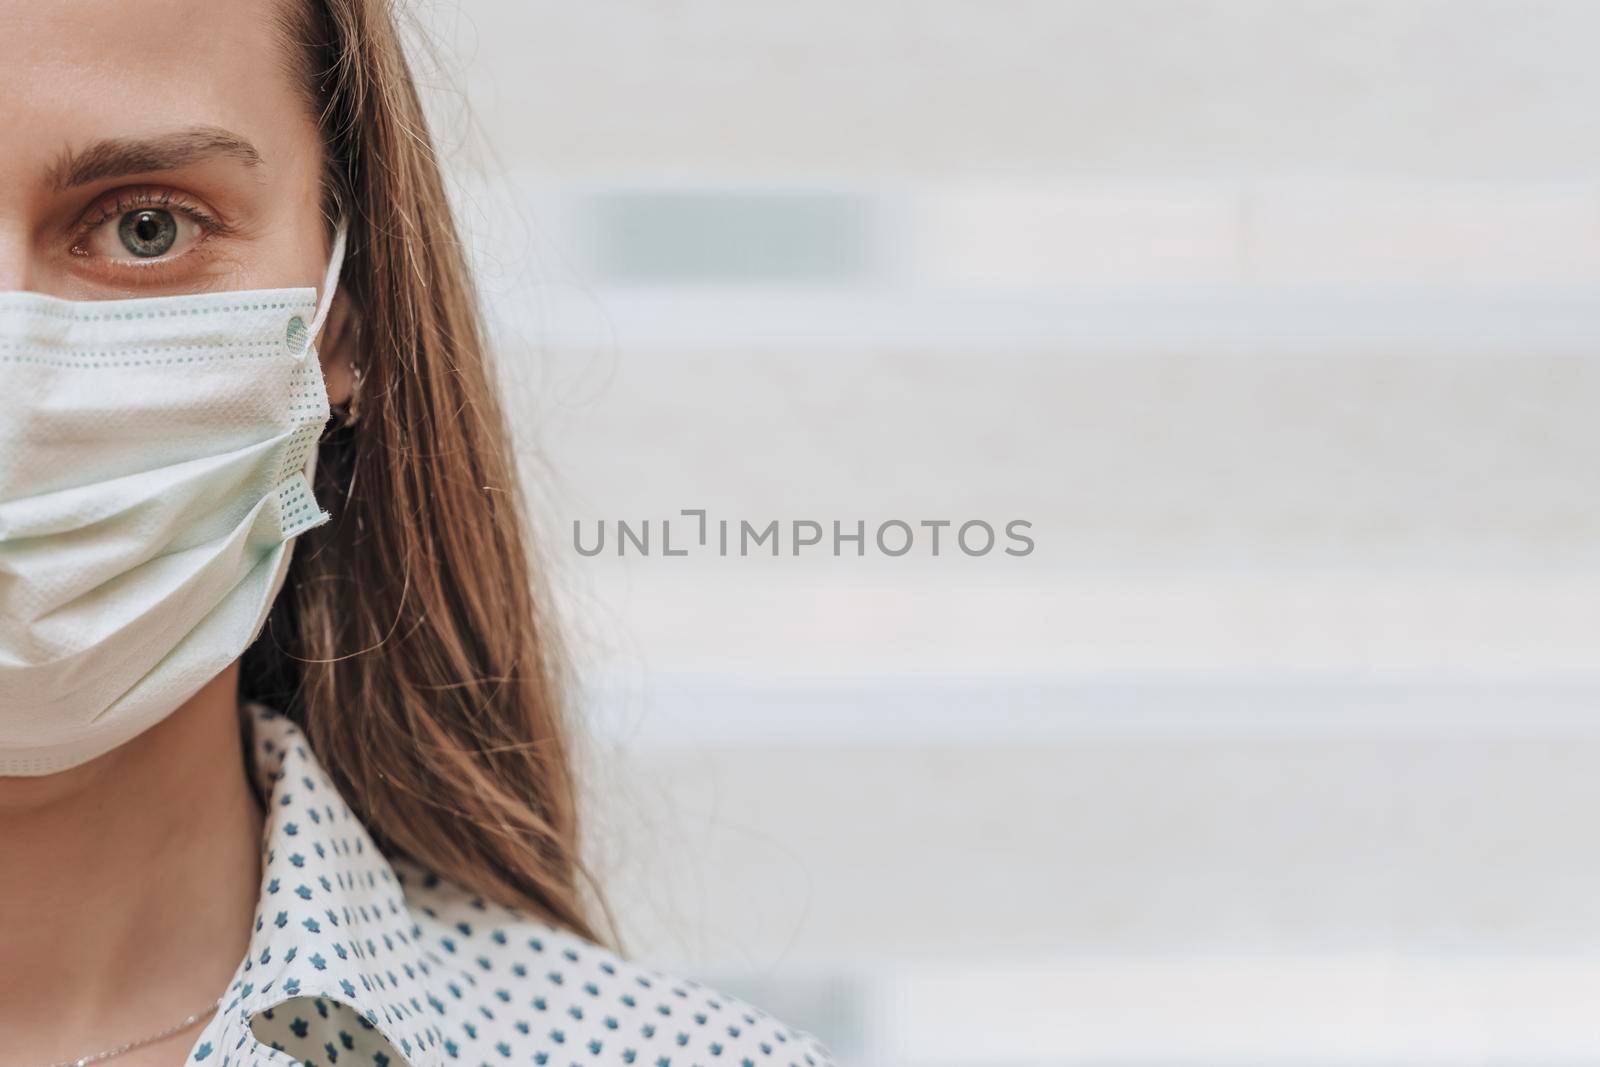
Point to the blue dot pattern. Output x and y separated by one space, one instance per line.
357 960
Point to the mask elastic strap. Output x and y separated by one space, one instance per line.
330 283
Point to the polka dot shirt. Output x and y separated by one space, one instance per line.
355 960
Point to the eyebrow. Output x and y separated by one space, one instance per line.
121 156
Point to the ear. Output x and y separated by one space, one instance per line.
337 349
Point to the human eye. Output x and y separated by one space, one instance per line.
141 228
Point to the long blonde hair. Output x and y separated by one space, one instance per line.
409 641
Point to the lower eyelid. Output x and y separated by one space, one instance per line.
182 274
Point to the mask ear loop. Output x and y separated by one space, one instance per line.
330 283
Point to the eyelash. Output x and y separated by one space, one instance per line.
121 201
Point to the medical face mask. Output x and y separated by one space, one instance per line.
156 458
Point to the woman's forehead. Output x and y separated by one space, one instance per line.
81 73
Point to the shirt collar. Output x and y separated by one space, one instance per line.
331 919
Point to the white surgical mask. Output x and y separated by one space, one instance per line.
156 458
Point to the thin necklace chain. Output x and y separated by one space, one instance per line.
175 1028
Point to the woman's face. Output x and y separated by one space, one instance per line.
156 148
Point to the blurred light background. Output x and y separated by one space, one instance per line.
1277 320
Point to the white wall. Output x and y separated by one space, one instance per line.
1277 320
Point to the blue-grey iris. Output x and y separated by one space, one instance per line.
148 232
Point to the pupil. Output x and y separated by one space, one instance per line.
147 228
